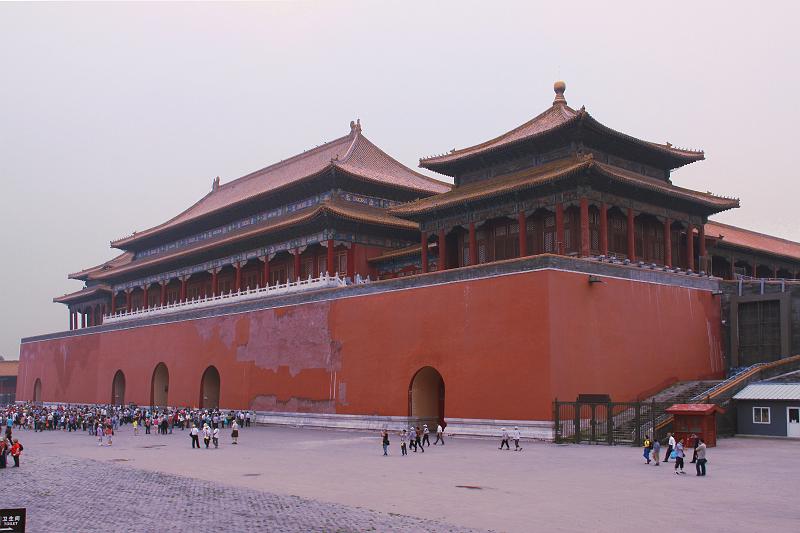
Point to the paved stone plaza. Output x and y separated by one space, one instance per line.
280 479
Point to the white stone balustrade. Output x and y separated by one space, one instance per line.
325 281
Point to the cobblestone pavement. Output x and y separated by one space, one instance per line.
69 494
289 479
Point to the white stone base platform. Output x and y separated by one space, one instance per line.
467 427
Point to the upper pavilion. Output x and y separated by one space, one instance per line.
563 183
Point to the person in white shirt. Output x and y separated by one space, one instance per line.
504 439
516 436
206 435
439 435
215 437
194 433
235 432
403 439
670 447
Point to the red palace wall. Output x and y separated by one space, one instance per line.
506 346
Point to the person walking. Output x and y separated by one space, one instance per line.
678 452
412 436
504 439
385 442
419 440
194 433
16 451
235 432
206 435
215 437
99 432
656 451
426 435
670 447
403 439
516 436
648 445
695 442
109 434
135 427
3 451
701 457
439 435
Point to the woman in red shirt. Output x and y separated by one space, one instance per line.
16 451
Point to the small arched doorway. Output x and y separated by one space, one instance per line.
209 388
37 391
159 386
426 396
118 389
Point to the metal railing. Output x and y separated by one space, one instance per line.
325 281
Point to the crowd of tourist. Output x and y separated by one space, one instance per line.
102 421
676 450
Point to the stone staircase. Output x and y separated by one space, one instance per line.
652 410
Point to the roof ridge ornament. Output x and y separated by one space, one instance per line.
559 87
215 184
355 126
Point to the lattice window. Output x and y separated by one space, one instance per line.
225 285
251 279
341 263
307 268
322 264
482 255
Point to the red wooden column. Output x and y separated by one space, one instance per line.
473 245
775 272
83 319
442 250
701 242
144 296
184 280
559 228
690 247
266 271
214 282
297 266
523 234
424 251
755 268
113 302
329 258
603 229
668 242
631 236
103 313
733 268
238 286
585 244
71 320
351 261
163 298
128 300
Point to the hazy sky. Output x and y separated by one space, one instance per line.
115 117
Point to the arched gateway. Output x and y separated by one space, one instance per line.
209 388
37 391
426 395
118 389
159 386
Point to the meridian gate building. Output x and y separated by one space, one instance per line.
339 282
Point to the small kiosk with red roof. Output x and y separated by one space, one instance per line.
695 418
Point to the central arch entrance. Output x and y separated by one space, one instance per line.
209 388
426 395
118 389
37 391
159 386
